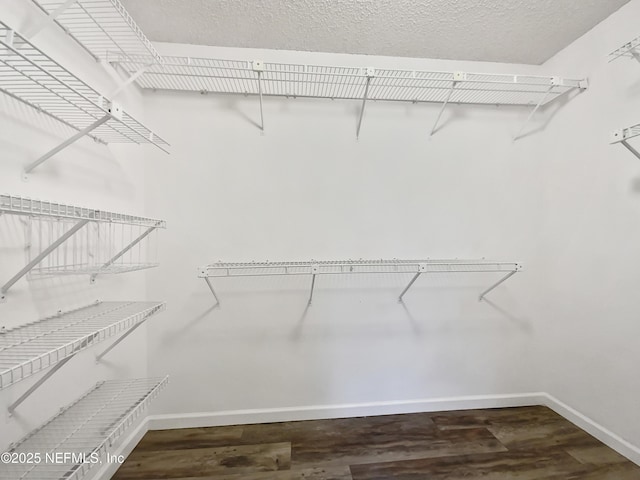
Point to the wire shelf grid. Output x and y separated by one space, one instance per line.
353 266
100 26
89 427
94 250
30 76
33 347
628 50
17 205
297 80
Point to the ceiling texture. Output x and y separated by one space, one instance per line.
510 31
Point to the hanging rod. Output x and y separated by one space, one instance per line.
51 342
16 205
623 136
30 76
88 428
335 267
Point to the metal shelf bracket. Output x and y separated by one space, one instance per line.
457 77
555 81
114 112
502 280
314 272
113 259
369 74
421 269
258 67
5 288
623 135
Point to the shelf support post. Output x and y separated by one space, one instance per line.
68 142
123 251
457 77
314 272
421 269
630 148
206 279
121 338
5 288
129 80
258 67
369 72
37 385
503 279
554 81
51 17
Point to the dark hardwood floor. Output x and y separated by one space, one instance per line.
527 443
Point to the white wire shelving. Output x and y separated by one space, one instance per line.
99 26
32 77
53 341
623 136
630 50
80 436
206 75
70 240
339 267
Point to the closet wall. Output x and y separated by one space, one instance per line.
561 201
308 189
85 174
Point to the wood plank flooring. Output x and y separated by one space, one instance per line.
528 443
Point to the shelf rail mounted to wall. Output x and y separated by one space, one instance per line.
51 342
100 27
88 428
63 222
340 267
630 50
623 136
259 78
30 76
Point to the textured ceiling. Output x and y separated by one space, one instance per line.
512 31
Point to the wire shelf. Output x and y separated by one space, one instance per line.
37 208
100 26
297 80
90 269
31 348
628 50
87 428
30 76
353 266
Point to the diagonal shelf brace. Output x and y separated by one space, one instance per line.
212 291
421 269
5 288
369 72
51 17
258 67
457 77
129 80
314 272
123 336
503 279
554 82
630 148
124 250
66 143
37 385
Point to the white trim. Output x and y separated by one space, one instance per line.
125 448
316 412
606 436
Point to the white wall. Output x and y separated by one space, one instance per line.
308 189
561 201
85 174
586 272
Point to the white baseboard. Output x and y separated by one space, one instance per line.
619 444
317 412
